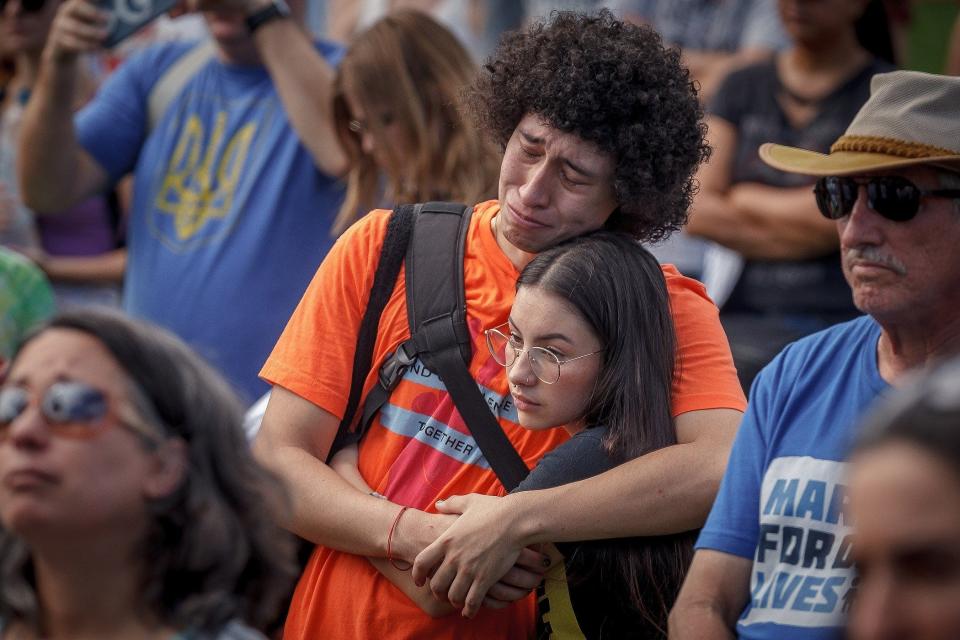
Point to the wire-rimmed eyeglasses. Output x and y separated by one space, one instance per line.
544 363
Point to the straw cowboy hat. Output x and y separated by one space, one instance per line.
911 118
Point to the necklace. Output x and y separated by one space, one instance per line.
803 101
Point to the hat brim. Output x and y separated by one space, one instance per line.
842 163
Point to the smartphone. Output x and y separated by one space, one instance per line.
129 16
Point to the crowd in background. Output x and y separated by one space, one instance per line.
195 177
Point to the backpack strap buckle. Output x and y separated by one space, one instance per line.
397 364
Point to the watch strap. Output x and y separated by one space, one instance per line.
276 9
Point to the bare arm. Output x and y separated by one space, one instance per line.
712 597
345 464
293 441
758 221
667 491
55 172
304 81
105 268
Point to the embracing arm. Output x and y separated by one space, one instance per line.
345 464
758 221
293 441
304 81
712 597
54 170
666 491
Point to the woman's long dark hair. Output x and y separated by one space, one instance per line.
213 552
618 287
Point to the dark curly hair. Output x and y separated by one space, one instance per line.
613 84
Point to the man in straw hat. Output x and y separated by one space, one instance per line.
774 557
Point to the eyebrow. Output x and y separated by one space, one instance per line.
546 337
532 139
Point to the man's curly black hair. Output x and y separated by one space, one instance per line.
613 84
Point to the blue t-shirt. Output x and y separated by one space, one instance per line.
781 499
230 216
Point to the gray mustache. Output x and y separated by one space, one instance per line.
876 256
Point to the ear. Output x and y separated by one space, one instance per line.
168 468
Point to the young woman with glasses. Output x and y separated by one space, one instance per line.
589 347
130 506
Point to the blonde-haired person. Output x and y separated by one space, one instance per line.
398 121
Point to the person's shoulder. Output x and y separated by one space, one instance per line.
374 222
839 336
158 57
679 284
582 456
363 239
741 90
749 75
827 349
688 297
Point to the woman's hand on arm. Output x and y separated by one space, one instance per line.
345 462
667 491
482 559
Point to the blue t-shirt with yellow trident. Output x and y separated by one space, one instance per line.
230 216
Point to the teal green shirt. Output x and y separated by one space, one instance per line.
26 300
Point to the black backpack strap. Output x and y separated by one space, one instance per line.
434 242
394 248
437 312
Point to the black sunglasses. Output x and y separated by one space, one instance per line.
28 6
893 197
72 409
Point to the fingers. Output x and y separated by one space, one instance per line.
441 581
80 27
493 603
453 504
533 560
506 593
521 578
426 563
459 588
475 597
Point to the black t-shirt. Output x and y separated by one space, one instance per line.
599 597
747 99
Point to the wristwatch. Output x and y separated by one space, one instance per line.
276 9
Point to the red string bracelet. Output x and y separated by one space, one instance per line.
390 557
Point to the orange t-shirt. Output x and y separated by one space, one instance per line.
418 449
